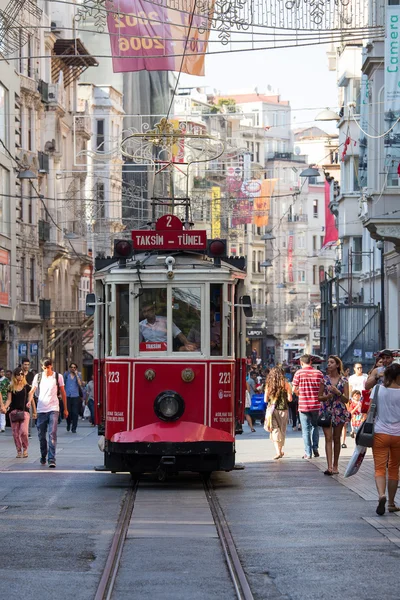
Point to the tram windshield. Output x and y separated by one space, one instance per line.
186 319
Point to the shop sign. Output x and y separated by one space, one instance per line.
22 349
294 344
255 333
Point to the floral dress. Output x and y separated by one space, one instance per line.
335 407
357 417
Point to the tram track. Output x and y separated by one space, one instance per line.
235 569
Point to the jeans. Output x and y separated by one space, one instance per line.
294 412
48 420
20 432
310 431
91 408
73 406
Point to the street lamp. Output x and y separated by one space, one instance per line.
310 172
26 174
381 246
327 115
268 236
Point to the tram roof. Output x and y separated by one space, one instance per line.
183 260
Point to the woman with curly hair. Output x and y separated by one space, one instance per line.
278 393
334 397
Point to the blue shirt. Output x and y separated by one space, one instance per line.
71 385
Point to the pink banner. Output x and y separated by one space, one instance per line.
331 233
150 37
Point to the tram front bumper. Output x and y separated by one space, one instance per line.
175 446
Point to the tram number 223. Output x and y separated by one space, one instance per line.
224 377
113 377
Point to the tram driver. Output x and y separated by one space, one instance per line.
153 328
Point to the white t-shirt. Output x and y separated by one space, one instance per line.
388 415
48 400
357 382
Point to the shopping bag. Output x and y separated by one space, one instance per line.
268 417
86 412
355 461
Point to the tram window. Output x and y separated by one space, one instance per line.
215 319
153 320
229 320
122 293
186 315
110 319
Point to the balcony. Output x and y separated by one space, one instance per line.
66 318
384 228
297 218
57 97
28 84
82 127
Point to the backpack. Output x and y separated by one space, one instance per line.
39 379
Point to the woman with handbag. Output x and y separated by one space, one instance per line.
17 402
334 396
278 394
386 440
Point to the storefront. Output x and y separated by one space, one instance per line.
293 347
255 342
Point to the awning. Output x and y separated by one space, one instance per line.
71 57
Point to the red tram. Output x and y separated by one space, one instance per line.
169 363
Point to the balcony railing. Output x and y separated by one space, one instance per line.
57 95
44 231
66 318
298 218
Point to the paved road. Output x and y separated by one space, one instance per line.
300 535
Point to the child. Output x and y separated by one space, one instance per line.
357 417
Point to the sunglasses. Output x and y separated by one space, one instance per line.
19 374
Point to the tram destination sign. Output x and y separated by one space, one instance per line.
169 240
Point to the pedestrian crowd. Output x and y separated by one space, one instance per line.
45 399
333 401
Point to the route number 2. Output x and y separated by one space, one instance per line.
113 377
224 378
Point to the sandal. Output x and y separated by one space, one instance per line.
328 472
335 472
277 456
253 430
393 508
380 509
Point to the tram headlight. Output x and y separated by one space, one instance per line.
169 406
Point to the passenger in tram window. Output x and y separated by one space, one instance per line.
215 333
153 328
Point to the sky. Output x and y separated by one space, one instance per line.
300 75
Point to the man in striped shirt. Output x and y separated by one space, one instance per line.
306 383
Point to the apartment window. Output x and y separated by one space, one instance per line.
254 266
5 215
315 209
315 274
23 279
3 116
100 208
357 256
100 135
240 250
301 275
259 261
29 70
314 242
30 131
30 203
32 280
322 238
260 298
254 296
301 240
257 152
321 273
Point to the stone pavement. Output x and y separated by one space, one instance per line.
300 535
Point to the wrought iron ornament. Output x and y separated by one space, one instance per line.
95 9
